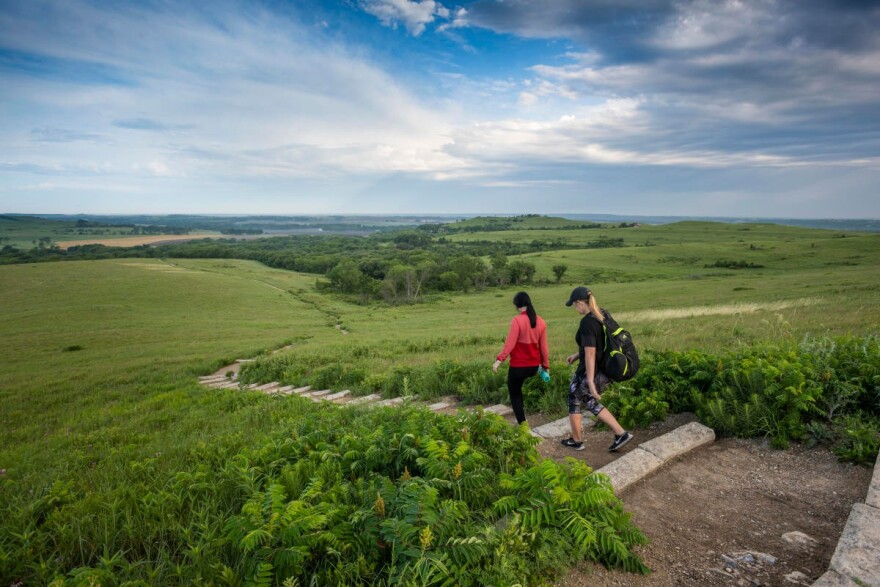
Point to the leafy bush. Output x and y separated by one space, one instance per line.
410 496
858 439
394 497
803 392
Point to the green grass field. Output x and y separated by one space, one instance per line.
101 357
144 324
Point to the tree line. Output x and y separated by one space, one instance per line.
395 267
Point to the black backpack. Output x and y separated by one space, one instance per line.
621 360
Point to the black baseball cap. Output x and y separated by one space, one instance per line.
578 293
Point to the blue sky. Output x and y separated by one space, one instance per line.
767 108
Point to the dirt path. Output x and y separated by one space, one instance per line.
718 516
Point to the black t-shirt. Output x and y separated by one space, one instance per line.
589 333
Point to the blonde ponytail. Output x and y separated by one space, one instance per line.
595 310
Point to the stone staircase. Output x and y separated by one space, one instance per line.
446 405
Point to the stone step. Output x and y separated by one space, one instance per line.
390 402
282 390
500 409
314 394
439 406
364 399
338 395
289 390
561 427
653 454
212 378
267 386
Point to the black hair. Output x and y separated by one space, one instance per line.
522 300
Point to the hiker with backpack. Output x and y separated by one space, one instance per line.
590 379
527 346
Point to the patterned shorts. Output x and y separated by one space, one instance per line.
579 395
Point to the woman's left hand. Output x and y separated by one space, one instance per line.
496 365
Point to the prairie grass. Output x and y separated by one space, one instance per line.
100 399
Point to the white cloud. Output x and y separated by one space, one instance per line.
254 96
414 14
459 20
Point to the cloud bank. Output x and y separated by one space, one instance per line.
488 106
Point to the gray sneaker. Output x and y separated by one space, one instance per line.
620 441
572 443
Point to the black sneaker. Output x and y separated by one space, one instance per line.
572 443
620 441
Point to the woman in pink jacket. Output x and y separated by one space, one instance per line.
527 346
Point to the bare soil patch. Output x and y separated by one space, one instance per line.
128 241
718 515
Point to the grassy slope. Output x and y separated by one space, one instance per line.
148 328
146 325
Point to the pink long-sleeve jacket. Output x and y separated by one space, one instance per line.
526 346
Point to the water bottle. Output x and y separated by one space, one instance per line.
543 374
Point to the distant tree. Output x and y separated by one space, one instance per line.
399 283
520 271
499 267
559 270
472 271
449 281
346 277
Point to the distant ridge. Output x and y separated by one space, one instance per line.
866 224
371 222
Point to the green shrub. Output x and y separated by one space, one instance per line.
414 495
858 439
787 392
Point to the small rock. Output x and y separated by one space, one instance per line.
765 558
799 539
798 578
728 561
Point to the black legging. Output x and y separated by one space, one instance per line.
516 376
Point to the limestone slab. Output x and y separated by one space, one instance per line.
873 498
337 395
679 441
391 402
500 409
319 393
630 468
304 389
858 551
268 386
364 399
561 427
832 579
439 406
